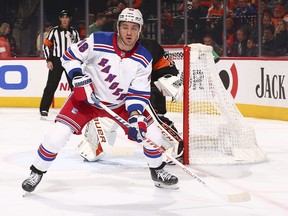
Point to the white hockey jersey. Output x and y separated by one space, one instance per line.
118 76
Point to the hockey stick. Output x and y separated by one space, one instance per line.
240 197
171 135
166 130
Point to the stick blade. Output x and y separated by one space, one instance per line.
241 197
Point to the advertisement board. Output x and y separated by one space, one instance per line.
22 82
259 86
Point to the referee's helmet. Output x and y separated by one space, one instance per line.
65 13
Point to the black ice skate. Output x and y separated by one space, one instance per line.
33 180
163 179
44 115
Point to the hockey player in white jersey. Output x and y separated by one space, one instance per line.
117 70
163 67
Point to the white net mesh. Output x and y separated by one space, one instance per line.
218 133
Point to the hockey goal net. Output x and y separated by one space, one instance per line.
214 131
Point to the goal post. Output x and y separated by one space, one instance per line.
214 131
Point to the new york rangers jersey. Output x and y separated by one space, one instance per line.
118 76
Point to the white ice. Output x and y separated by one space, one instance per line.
121 184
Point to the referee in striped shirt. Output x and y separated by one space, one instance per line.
57 41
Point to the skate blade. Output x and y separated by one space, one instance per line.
25 193
44 118
47 118
170 187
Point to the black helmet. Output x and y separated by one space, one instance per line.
65 13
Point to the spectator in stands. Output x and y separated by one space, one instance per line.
189 6
281 38
91 19
14 51
271 4
82 27
114 8
190 38
197 11
230 33
239 47
232 5
135 3
268 48
253 3
278 14
48 26
266 21
264 9
244 9
208 40
252 49
216 10
4 41
285 18
167 25
206 3
214 23
97 25
245 15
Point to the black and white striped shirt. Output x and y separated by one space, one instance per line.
58 40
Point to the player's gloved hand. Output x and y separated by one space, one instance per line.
83 88
138 129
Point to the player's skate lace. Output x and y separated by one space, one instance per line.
159 175
32 181
163 175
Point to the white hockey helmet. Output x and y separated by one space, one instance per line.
130 15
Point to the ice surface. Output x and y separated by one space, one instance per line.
121 185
